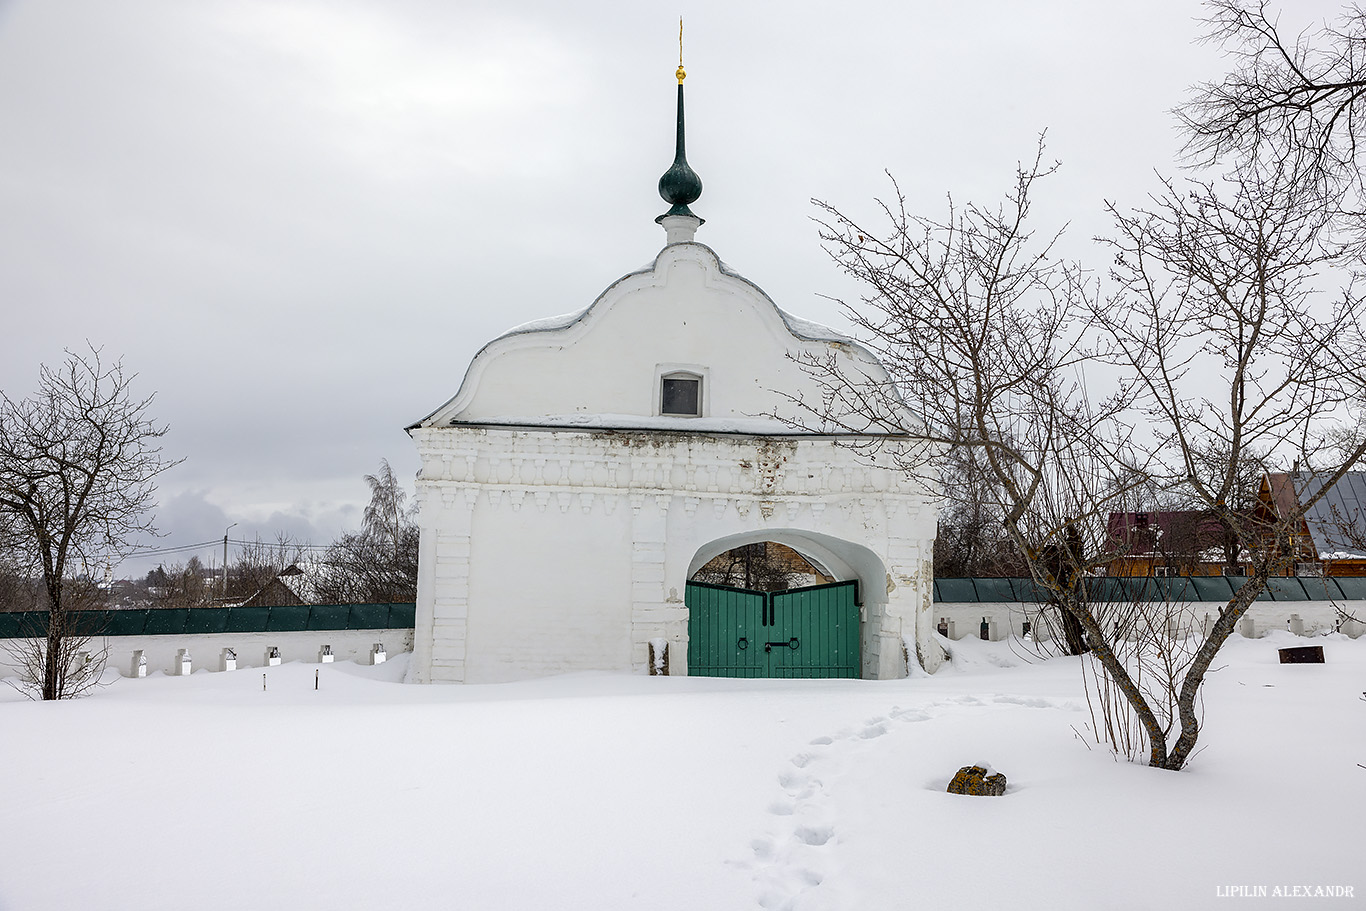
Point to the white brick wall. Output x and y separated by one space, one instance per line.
555 578
206 649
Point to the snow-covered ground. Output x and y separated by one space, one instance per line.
606 791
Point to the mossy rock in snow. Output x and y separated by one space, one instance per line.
974 780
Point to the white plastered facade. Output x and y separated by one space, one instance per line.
562 514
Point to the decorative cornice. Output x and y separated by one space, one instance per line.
812 471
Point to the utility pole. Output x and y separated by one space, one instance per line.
225 559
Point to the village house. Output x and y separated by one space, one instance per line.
1332 535
1330 541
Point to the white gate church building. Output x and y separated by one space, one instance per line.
589 466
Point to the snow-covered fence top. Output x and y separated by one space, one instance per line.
208 620
1142 588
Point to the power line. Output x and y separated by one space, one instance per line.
288 545
173 549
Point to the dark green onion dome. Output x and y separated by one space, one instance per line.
680 185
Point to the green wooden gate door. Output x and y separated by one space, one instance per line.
802 632
823 622
725 630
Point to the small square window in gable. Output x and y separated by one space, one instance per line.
680 394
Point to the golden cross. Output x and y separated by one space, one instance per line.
680 74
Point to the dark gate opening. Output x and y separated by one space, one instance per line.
764 566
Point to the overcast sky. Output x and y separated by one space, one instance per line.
297 221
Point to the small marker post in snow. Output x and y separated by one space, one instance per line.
263 683
315 678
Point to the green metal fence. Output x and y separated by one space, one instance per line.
193 621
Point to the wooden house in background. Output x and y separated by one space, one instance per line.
1175 542
294 585
1330 541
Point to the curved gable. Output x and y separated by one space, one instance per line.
686 315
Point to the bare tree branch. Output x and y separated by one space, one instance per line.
1293 99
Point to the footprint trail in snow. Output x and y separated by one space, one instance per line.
792 861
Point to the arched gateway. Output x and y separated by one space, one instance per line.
589 465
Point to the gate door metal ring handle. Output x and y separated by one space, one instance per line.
742 644
793 642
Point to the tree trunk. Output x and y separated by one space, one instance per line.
1072 633
1119 674
1195 676
52 665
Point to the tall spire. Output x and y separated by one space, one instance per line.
680 185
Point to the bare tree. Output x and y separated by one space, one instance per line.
1242 365
77 465
977 321
990 339
1297 98
1244 471
359 568
1223 321
969 544
970 539
1157 639
379 563
180 585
